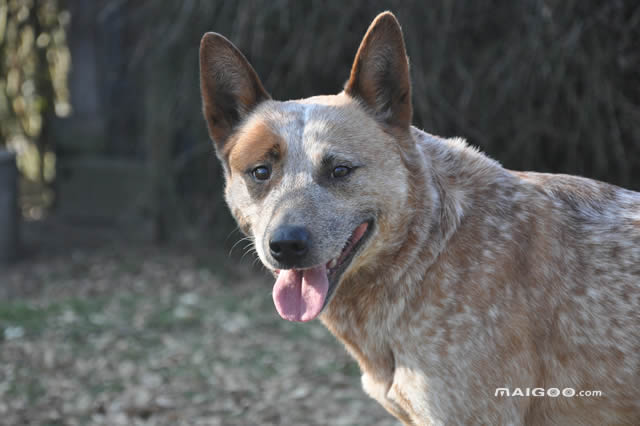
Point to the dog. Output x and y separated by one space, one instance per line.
450 279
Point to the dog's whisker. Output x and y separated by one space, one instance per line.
251 250
236 229
250 239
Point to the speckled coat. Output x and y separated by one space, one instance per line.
474 277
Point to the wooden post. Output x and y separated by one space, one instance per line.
9 217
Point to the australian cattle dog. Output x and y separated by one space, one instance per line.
467 293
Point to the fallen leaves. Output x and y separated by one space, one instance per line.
98 338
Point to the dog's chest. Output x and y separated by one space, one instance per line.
414 398
419 399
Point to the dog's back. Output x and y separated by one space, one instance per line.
590 317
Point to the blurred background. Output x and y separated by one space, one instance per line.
126 301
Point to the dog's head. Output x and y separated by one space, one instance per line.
317 183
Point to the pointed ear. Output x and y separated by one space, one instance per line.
229 85
380 72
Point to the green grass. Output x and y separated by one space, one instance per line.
30 388
166 319
31 319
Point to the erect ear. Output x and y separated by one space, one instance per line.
380 72
230 87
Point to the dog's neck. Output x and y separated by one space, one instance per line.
455 176
443 176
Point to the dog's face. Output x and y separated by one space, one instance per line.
309 180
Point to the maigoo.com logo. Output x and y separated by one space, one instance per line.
550 392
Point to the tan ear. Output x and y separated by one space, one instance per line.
229 85
380 72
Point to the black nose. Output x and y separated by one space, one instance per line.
289 244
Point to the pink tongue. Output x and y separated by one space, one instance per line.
299 295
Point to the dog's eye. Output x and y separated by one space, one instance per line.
340 171
261 173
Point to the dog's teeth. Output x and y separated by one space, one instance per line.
333 263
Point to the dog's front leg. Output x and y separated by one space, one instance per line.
378 389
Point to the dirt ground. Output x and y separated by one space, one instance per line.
113 333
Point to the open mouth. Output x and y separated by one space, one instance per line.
301 294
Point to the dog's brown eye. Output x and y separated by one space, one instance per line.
261 173
340 171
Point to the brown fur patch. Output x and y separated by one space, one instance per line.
254 144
